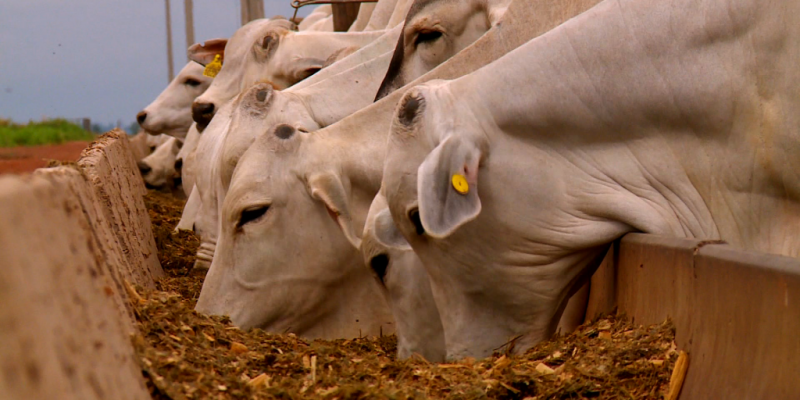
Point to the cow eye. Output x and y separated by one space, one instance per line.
427 36
413 215
379 264
191 82
251 215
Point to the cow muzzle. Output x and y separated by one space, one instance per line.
202 113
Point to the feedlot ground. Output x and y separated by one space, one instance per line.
21 159
184 355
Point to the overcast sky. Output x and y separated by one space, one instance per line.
103 59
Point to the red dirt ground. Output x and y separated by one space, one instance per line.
18 160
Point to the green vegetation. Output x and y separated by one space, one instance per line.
54 131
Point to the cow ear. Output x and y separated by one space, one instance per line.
447 186
386 231
203 53
306 67
328 189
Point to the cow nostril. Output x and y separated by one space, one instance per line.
202 113
379 264
144 168
178 165
141 116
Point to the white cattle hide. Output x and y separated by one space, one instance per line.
267 51
293 191
312 107
320 12
676 118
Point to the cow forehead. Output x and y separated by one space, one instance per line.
420 5
192 68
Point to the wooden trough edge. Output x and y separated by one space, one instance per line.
737 313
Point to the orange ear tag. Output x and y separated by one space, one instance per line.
460 184
212 69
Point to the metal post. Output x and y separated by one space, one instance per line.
170 67
252 9
188 10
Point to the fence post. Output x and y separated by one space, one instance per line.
252 9
87 124
343 15
170 68
188 9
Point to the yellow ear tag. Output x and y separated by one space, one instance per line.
460 184
212 68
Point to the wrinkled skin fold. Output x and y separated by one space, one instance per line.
669 117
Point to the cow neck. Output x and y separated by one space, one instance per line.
360 142
379 46
705 101
361 81
315 43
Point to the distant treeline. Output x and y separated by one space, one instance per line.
52 131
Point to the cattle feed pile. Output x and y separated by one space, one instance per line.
187 355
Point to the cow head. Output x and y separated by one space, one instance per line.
468 232
171 112
158 169
229 135
287 256
259 109
434 31
249 57
405 284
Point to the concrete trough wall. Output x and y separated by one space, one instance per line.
69 239
736 313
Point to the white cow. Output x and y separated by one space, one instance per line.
158 168
292 191
217 168
320 12
677 118
171 112
267 51
330 295
309 108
